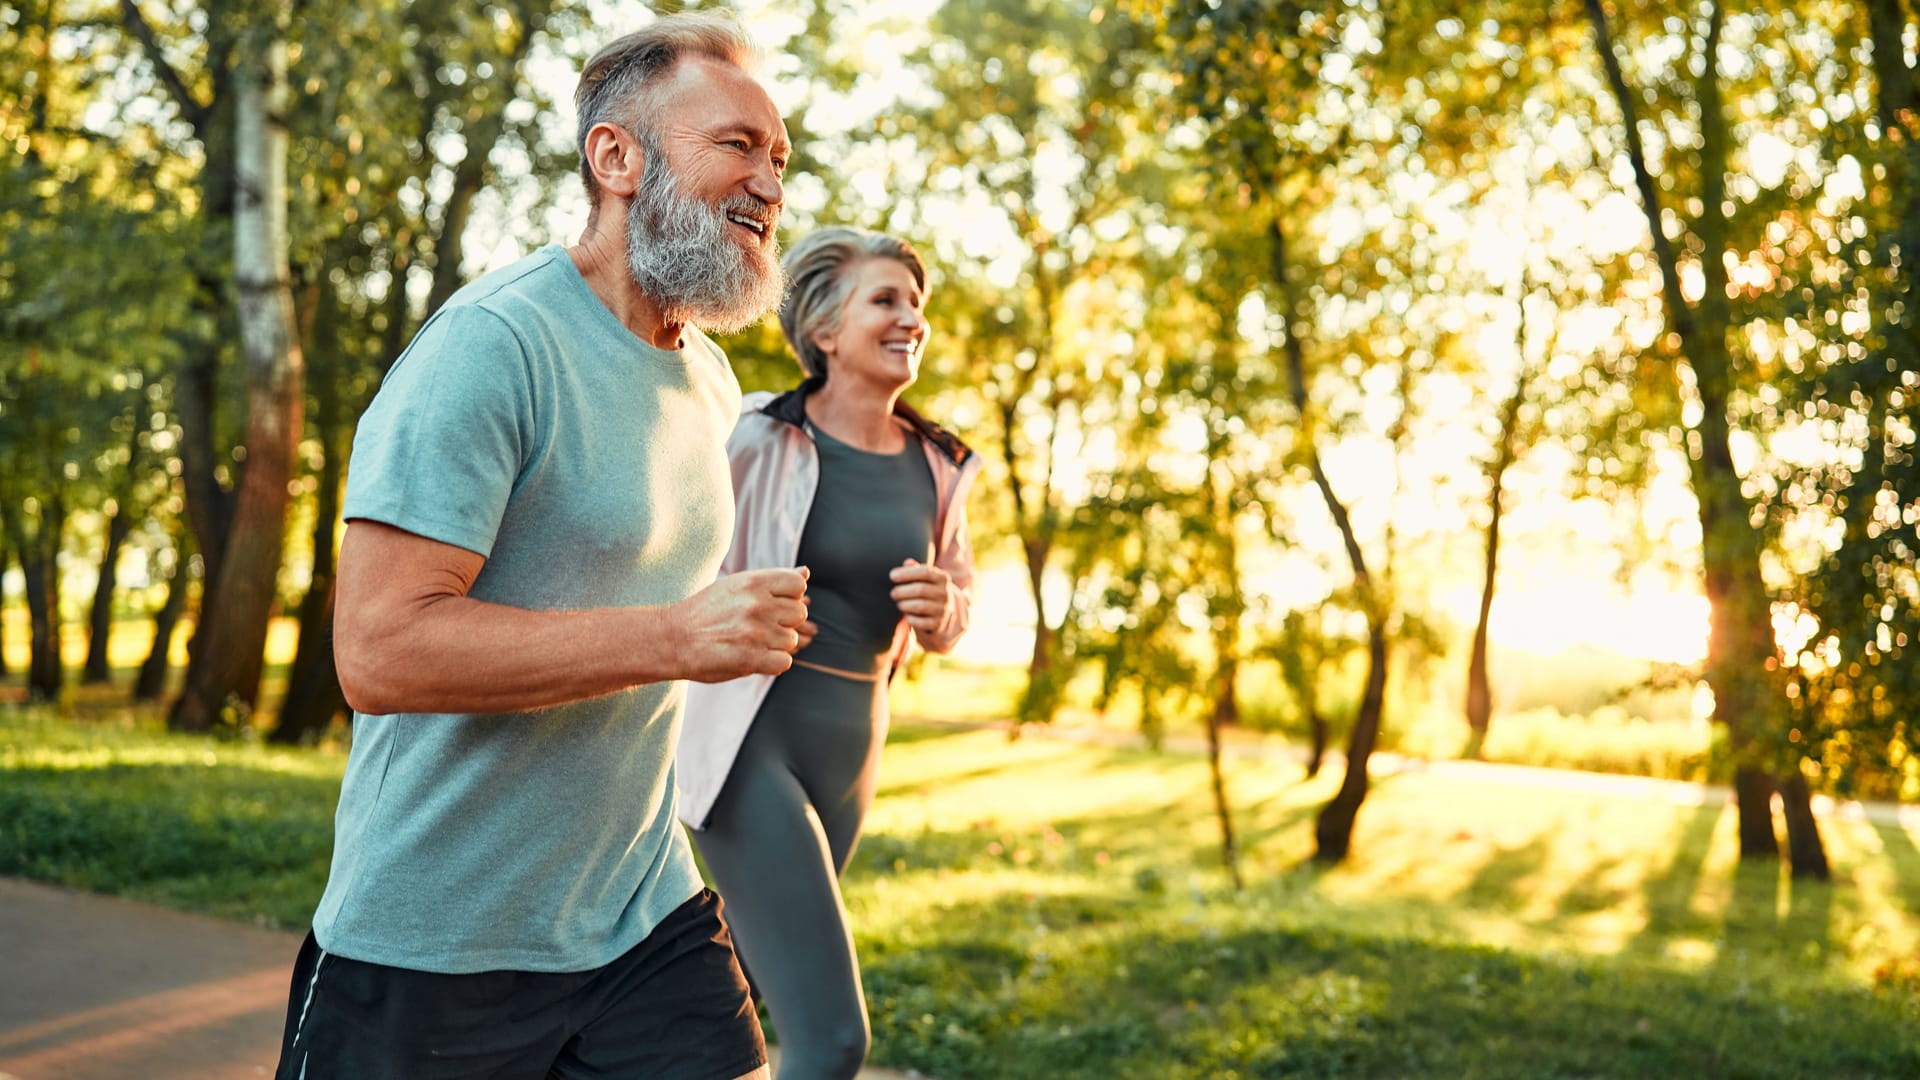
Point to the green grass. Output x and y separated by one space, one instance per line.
1043 909
1037 909
231 829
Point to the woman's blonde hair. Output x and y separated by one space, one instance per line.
819 279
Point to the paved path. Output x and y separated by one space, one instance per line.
96 988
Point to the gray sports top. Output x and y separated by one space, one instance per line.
870 513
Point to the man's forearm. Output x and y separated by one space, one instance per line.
454 654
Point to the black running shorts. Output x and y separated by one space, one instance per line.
675 1007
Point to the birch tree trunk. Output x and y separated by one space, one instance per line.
232 636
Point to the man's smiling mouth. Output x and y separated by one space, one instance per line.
753 225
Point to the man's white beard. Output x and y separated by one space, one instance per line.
680 255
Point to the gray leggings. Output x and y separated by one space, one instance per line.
778 840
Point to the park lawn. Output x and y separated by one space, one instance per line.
1042 908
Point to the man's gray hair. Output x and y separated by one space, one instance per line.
619 84
820 277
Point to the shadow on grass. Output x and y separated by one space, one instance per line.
1670 891
1264 823
906 730
1065 844
1098 987
1496 883
949 779
1904 854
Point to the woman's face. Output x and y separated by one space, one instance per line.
881 332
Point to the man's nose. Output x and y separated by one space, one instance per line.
765 185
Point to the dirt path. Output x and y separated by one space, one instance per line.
95 988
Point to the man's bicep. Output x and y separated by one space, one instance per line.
388 572
388 579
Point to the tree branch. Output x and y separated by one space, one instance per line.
191 108
1297 372
1898 89
1679 314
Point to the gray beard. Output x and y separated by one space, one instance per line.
680 255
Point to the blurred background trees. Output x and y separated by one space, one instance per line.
1337 366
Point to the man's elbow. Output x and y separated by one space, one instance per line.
367 679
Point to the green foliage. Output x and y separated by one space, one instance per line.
1093 185
1608 741
1042 132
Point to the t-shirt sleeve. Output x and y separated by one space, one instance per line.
440 449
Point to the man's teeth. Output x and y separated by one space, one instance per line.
758 227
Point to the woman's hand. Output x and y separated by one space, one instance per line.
924 595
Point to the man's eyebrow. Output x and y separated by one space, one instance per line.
756 133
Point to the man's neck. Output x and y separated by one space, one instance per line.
601 258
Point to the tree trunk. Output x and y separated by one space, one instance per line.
471 175
1479 687
1317 732
1479 682
1333 830
1302 653
196 392
40 566
1897 90
100 615
120 521
1225 711
1806 855
1041 699
152 682
314 696
6 557
1740 642
1033 518
1227 609
209 506
232 636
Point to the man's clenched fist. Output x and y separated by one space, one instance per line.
749 623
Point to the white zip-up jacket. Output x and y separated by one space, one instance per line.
776 470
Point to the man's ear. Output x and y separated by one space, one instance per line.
616 159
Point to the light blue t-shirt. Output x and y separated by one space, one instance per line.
527 424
